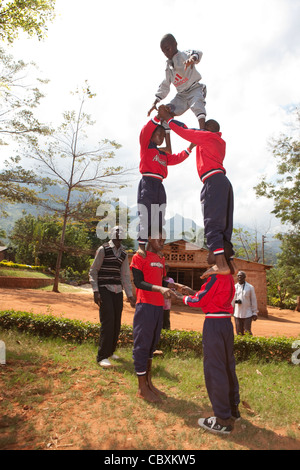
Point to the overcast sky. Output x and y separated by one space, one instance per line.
250 65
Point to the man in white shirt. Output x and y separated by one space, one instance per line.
245 305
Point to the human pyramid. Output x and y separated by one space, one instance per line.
148 264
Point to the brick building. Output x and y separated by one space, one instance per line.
187 263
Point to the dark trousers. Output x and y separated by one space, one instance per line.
151 199
110 313
147 325
166 320
243 325
217 208
219 366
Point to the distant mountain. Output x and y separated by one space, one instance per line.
177 227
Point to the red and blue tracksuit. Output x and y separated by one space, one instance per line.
217 193
215 299
148 316
151 197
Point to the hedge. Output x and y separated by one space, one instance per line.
245 347
11 264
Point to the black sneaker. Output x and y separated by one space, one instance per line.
235 414
211 424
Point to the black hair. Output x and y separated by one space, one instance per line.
167 37
212 125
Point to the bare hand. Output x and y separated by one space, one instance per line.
178 296
97 298
188 63
152 109
132 301
187 291
164 113
165 291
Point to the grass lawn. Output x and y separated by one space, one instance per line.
53 395
23 273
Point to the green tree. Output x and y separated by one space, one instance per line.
79 170
245 244
111 213
36 241
19 97
29 16
289 260
285 192
18 101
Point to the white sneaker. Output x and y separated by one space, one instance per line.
211 424
115 357
104 363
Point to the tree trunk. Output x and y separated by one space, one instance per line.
297 309
61 246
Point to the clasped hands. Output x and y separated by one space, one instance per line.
176 291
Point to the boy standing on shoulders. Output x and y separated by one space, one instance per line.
216 193
154 163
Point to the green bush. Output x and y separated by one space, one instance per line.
288 303
70 276
49 326
11 264
245 347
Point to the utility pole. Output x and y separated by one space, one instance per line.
263 238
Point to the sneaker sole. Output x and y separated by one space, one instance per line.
207 428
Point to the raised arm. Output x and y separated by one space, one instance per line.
195 136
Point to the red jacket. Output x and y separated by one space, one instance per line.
153 269
210 151
153 161
215 296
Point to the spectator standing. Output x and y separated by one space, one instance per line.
168 303
245 305
109 274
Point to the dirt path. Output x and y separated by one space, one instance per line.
80 305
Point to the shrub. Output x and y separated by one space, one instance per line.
70 276
289 303
245 347
11 264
